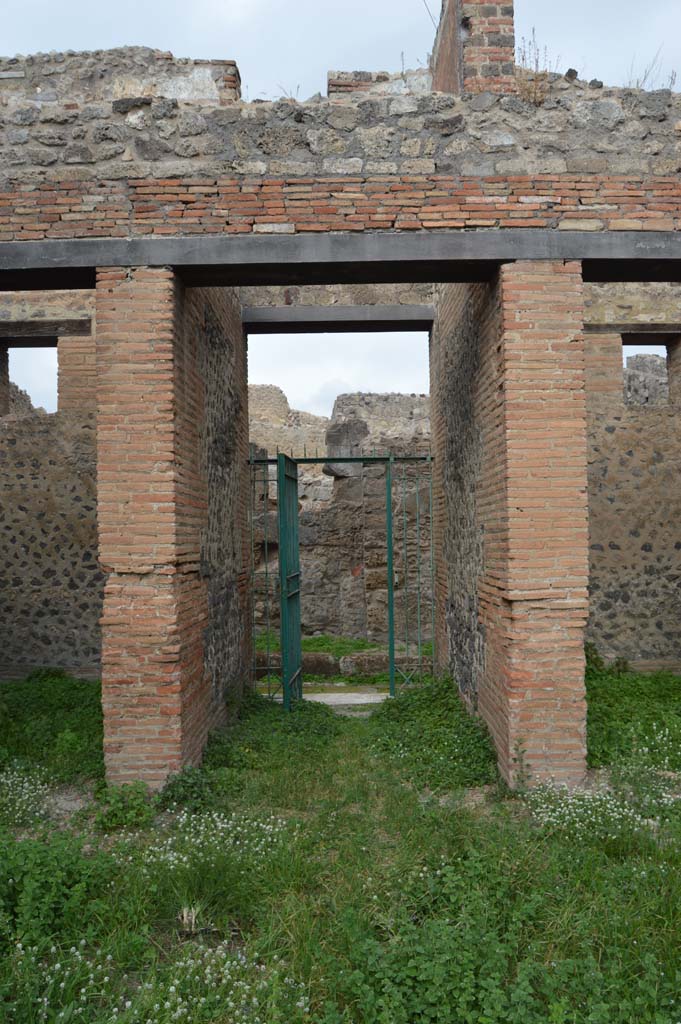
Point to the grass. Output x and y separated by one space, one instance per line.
55 722
629 711
334 871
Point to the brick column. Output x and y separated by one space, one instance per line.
77 374
152 505
4 380
533 593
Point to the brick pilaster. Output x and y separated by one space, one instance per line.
4 380
534 589
77 374
604 371
152 507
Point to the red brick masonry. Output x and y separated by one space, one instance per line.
151 508
172 206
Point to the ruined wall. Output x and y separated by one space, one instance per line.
394 423
634 511
50 581
20 402
343 547
55 79
646 380
143 165
48 542
339 295
274 426
634 438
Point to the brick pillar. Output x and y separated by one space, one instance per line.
475 48
77 374
4 380
152 505
674 365
534 586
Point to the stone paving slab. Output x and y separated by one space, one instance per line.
347 700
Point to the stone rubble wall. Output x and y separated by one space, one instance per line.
275 427
646 380
20 403
71 79
634 507
50 581
461 371
636 305
589 159
339 295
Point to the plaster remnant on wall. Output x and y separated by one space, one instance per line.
134 73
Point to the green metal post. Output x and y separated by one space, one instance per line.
254 496
405 561
268 619
418 575
391 570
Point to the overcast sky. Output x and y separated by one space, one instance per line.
285 47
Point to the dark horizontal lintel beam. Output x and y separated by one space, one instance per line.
633 337
633 328
40 341
340 257
45 328
337 319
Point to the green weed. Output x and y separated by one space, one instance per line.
428 733
56 722
629 711
307 874
124 807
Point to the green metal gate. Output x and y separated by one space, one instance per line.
409 568
289 581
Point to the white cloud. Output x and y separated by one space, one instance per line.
35 370
312 369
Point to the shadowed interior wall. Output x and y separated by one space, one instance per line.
461 365
4 380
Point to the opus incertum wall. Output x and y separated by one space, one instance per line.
153 173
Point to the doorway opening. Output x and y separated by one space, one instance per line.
342 548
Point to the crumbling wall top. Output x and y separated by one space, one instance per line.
116 75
